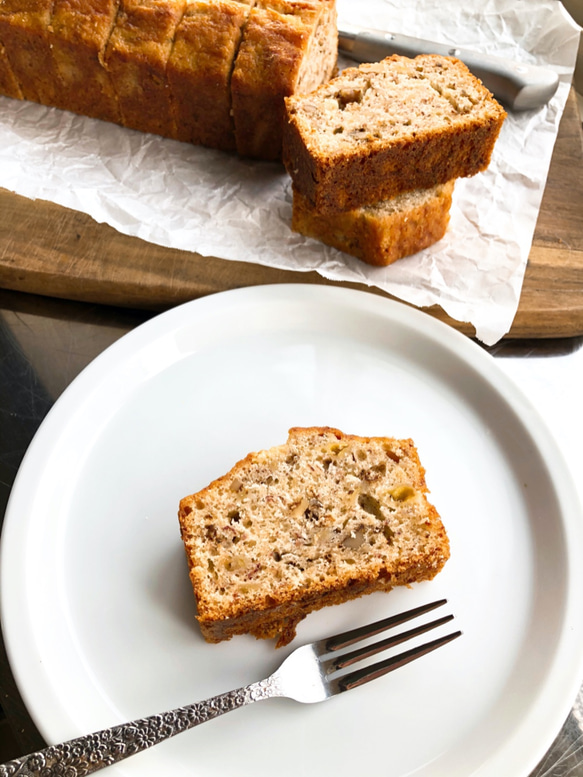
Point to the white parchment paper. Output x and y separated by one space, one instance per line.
215 204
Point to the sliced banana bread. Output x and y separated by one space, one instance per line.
81 30
288 46
199 71
26 38
136 57
171 67
382 233
384 128
322 519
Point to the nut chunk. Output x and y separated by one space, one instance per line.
325 518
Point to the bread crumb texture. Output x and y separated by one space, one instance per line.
388 99
381 233
387 127
325 518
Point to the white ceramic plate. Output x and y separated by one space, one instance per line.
97 607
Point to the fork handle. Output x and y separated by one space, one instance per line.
92 752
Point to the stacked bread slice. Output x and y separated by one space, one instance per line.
209 72
373 153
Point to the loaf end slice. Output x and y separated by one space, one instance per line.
388 127
288 46
324 518
382 233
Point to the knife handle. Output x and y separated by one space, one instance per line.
518 86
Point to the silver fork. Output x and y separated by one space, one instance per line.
310 674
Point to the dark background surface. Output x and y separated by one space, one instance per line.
44 344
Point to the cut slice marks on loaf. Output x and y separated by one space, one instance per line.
322 519
384 128
81 30
380 234
199 71
287 46
136 57
171 67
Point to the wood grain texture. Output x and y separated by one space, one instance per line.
49 250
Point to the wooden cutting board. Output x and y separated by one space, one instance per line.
50 250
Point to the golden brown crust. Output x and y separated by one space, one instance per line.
25 35
136 57
270 602
122 61
373 163
8 84
199 71
81 30
383 233
268 67
280 621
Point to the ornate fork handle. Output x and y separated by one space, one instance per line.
92 752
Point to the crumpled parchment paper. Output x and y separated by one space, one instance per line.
214 204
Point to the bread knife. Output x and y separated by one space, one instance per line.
518 86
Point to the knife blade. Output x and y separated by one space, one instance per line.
518 86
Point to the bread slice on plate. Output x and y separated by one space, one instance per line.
81 30
288 46
380 234
199 71
388 127
322 519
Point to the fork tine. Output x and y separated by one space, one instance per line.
348 638
347 659
365 675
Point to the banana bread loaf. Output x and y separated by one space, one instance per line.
384 128
382 233
322 519
8 83
203 71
